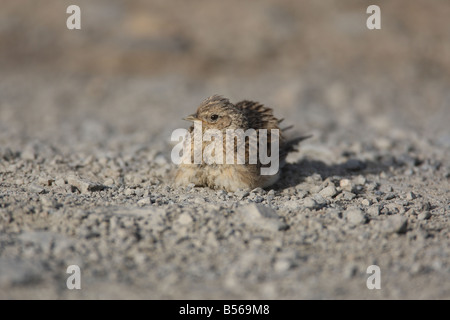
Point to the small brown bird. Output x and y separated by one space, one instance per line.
218 113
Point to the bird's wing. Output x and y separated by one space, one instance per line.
259 116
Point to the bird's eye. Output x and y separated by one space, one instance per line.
214 117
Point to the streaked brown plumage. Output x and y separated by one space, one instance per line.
219 113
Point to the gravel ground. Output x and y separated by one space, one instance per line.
86 175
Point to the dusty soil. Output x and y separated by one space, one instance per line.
86 175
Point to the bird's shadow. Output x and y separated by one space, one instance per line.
295 173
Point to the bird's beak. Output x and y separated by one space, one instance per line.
192 117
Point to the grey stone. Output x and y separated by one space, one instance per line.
354 165
355 216
346 185
395 224
374 210
83 185
410 196
36 188
185 219
424 215
261 216
241 194
310 203
292 205
328 192
145 201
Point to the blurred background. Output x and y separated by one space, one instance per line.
137 67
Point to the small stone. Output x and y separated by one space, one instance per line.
84 186
109 182
410 196
185 219
28 153
360 180
354 165
348 195
386 188
46 202
319 199
144 202
292 205
355 216
282 265
365 202
45 181
389 196
139 192
241 194
373 210
60 182
137 180
310 203
262 217
371 186
129 192
257 199
424 215
328 192
346 184
199 200
258 191
221 193
160 159
395 224
36 188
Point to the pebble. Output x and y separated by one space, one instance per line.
109 182
346 185
328 192
410 196
355 216
374 210
28 153
60 182
160 160
241 194
389 196
292 205
83 185
282 265
354 165
395 224
45 181
348 195
261 216
36 188
144 202
309 202
258 191
185 219
360 180
424 215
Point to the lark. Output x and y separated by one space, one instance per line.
218 113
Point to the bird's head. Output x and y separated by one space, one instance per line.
219 113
